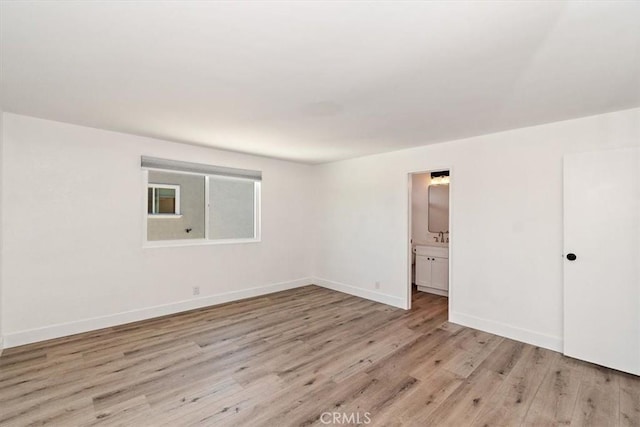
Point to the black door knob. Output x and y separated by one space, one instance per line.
571 257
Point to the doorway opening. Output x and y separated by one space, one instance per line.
429 237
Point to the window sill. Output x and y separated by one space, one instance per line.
196 242
164 216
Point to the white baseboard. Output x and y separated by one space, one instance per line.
524 335
85 325
362 293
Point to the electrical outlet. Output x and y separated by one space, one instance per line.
377 285
196 290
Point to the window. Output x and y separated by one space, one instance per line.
190 203
231 208
163 199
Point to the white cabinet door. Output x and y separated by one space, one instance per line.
602 283
423 270
440 273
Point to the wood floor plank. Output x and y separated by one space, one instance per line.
363 354
510 403
292 393
122 412
420 402
598 401
505 357
74 412
287 358
409 356
629 400
440 355
472 353
326 396
556 398
466 402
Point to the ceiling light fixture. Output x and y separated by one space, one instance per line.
439 178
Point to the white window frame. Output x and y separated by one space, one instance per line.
177 213
257 192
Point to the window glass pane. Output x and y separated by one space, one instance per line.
166 200
149 200
190 223
166 193
231 208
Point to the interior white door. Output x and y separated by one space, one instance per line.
602 233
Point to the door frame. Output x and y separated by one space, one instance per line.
409 232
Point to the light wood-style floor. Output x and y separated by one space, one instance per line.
287 358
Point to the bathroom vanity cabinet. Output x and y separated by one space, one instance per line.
432 269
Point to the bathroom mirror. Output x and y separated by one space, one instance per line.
438 208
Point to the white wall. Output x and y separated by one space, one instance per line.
73 209
1 210
506 233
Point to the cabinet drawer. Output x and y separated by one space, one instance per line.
432 251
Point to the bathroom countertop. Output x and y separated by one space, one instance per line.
435 244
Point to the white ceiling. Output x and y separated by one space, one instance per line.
318 81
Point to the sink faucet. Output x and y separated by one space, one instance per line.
441 235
